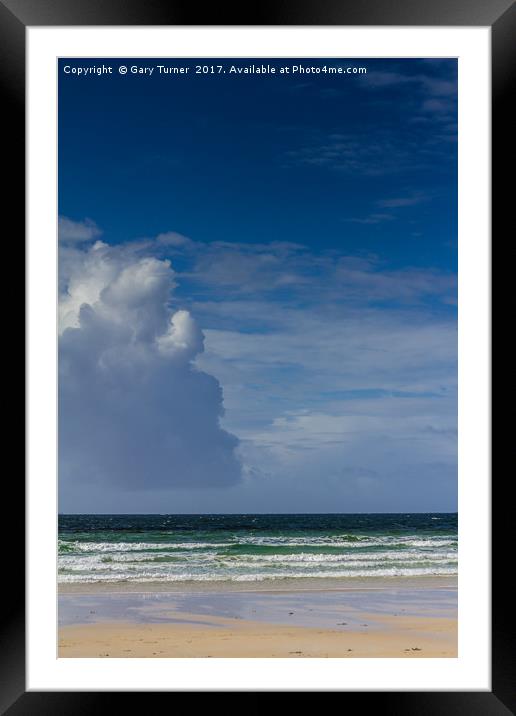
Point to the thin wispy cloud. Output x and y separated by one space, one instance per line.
424 83
393 203
379 148
402 201
372 219
374 155
71 231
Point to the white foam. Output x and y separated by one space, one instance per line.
255 577
79 546
355 543
407 555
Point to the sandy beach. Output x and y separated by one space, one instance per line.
379 619
406 637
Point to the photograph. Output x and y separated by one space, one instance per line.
257 357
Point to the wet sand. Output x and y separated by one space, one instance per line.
283 585
391 619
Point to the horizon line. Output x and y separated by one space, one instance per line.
200 514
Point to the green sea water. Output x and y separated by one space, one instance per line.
254 548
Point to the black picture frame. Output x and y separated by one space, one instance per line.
500 16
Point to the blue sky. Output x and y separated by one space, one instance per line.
302 229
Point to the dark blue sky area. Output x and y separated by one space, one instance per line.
356 163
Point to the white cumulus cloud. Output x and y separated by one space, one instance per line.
133 409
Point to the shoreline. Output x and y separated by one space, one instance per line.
270 586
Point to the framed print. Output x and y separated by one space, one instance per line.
258 366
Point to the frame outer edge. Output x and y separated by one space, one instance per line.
503 34
267 12
12 85
12 81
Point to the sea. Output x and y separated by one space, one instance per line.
254 548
